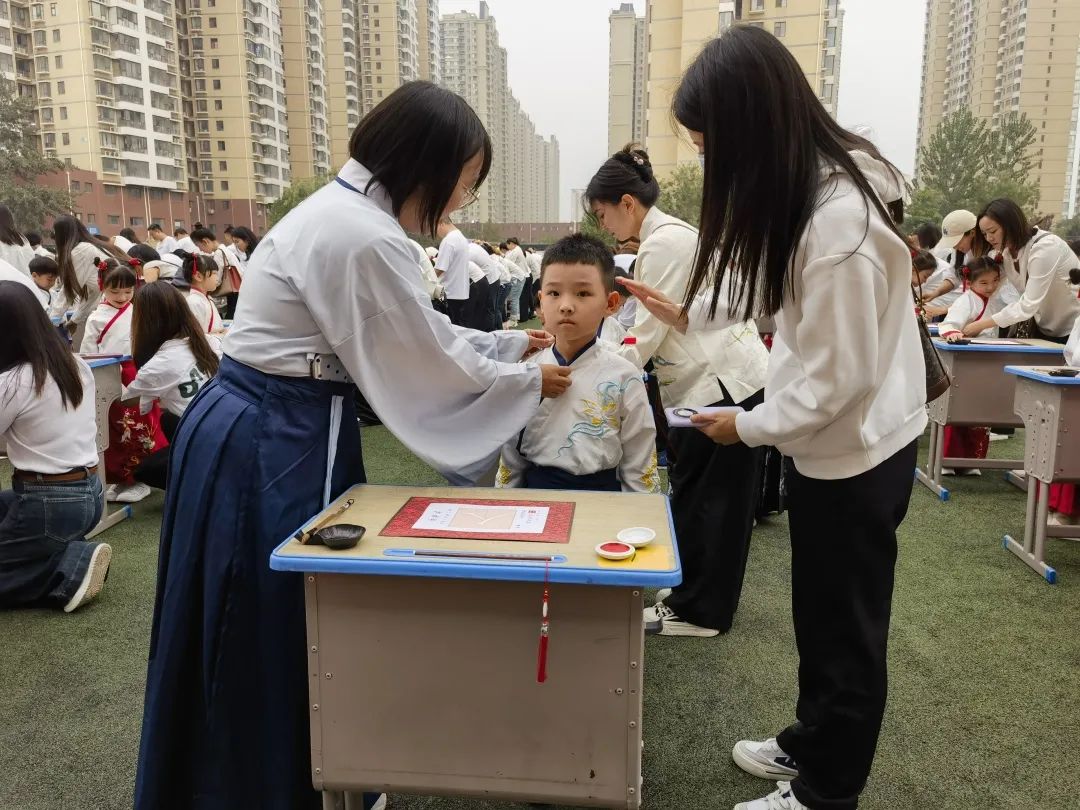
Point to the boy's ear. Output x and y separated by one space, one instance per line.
613 302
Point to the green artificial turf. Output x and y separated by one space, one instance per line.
984 706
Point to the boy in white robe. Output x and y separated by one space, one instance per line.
600 434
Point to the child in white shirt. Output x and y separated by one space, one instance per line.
108 328
175 359
44 272
600 434
202 274
980 299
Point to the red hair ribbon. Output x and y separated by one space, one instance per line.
999 259
914 253
102 268
965 275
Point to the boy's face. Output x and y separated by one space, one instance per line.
986 284
573 301
45 281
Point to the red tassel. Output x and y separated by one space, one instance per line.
542 650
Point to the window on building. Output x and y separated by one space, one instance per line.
225 187
220 126
779 28
58 61
830 37
113 218
60 88
781 3
217 104
223 166
136 222
217 84
221 146
213 22
208 186
206 166
215 64
91 219
757 5
52 9
65 138
213 43
56 35
112 191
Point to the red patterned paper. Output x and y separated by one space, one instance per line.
556 530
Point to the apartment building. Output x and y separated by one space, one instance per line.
675 31
305 47
626 78
525 167
997 57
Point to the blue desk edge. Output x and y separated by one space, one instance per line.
944 346
1036 373
486 570
101 362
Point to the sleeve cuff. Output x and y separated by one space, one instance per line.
747 428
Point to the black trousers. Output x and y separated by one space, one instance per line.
458 310
152 470
714 492
526 300
843 556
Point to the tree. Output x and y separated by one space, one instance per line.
590 226
965 164
295 194
22 163
1068 228
680 193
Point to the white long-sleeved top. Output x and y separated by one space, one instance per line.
84 257
18 256
237 258
485 261
1041 274
847 384
337 275
453 263
612 331
204 310
8 272
41 434
689 368
534 260
519 267
427 269
108 330
602 422
946 271
1072 346
171 377
969 308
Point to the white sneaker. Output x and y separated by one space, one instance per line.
765 759
972 471
132 493
110 493
999 437
780 799
93 579
948 471
662 619
663 594
380 803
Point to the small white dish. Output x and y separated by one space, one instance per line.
637 536
615 550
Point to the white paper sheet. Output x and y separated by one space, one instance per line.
467 518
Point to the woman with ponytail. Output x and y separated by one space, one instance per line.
77 255
714 488
202 276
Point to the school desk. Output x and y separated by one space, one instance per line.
106 371
980 396
1050 408
424 668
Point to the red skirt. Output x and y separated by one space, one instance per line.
1063 499
132 436
966 442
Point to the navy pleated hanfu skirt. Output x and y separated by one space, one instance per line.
225 723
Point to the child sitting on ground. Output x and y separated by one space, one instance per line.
981 298
600 434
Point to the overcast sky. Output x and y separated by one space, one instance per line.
557 52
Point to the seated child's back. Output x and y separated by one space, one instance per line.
599 435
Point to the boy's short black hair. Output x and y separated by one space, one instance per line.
579 248
202 234
33 237
619 288
44 266
513 240
154 226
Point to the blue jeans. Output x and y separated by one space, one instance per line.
516 286
500 302
43 551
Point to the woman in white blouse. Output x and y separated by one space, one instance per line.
333 296
15 249
1038 264
77 255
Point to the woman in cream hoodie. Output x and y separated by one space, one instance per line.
796 221
713 488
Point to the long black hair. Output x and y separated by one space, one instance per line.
9 234
32 339
766 139
628 171
161 314
417 140
196 262
69 232
1016 230
251 241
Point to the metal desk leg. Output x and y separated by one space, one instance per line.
346 800
1033 550
931 477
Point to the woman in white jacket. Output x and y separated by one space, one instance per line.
1038 264
77 254
14 247
795 225
713 489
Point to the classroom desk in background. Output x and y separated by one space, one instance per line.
980 396
1050 408
424 668
106 371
